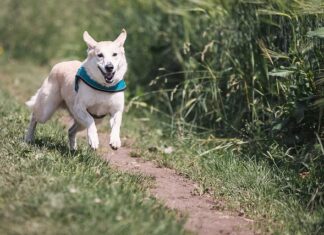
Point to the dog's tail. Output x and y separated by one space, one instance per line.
31 102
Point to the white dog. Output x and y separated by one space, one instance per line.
89 90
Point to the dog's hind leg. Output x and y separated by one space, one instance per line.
76 127
43 104
48 99
29 137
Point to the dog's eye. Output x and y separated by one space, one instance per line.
114 54
100 55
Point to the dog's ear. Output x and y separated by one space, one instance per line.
89 40
120 40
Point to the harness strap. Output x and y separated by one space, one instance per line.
83 75
97 116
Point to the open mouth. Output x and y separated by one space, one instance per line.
107 75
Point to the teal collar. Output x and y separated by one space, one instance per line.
83 75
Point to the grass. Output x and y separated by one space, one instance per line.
45 189
247 71
63 191
257 189
243 185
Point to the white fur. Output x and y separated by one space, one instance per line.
58 90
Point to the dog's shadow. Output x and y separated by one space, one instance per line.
52 144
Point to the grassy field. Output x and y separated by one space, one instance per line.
45 189
60 188
233 90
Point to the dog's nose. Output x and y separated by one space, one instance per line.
109 67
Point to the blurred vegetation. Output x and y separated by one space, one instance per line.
238 68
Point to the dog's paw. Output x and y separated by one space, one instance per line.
72 143
94 142
73 146
28 139
93 139
115 142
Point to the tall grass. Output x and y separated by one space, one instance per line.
252 69
249 69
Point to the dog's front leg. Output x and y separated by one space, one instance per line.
115 123
82 116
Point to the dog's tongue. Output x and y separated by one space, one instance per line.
109 77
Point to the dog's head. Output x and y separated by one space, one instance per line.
106 60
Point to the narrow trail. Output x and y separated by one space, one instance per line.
177 192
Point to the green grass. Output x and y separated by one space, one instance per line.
241 69
261 190
45 189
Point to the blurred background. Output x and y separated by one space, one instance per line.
246 69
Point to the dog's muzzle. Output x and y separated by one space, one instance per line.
108 74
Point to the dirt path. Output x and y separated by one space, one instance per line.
177 192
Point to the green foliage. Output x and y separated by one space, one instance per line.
249 69
239 68
226 56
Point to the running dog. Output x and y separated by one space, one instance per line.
89 90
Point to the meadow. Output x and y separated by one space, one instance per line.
235 87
